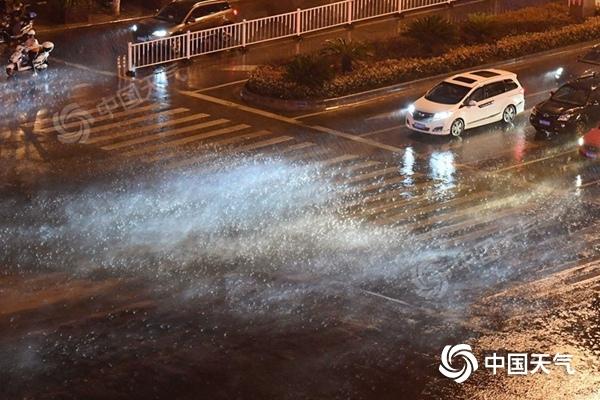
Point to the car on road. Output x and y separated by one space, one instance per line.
574 107
589 63
467 101
589 144
181 16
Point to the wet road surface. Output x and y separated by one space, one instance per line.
188 245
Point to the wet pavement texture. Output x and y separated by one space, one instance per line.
189 245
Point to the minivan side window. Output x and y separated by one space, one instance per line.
477 95
510 85
494 89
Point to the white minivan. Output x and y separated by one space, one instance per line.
466 101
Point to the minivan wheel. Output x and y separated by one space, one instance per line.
509 114
457 128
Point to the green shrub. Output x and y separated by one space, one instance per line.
271 81
479 28
397 47
533 19
432 33
308 70
345 51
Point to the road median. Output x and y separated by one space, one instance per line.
271 86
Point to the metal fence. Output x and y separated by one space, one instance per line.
245 33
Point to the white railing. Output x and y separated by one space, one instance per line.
245 33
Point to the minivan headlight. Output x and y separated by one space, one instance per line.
441 115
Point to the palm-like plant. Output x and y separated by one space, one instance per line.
479 27
432 32
346 50
308 70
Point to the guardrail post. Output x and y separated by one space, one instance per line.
350 11
400 7
130 66
244 34
188 45
298 22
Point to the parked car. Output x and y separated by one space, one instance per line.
587 64
181 16
574 107
467 101
589 144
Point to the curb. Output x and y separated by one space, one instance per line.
380 93
90 24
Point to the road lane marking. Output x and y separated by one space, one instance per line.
357 167
146 129
383 184
144 118
292 121
199 137
369 199
50 121
532 161
339 160
211 156
385 130
189 139
158 136
208 89
457 201
306 157
85 68
371 175
296 147
262 144
231 140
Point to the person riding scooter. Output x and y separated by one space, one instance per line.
32 46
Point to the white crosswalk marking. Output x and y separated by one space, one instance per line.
190 139
162 135
146 129
108 117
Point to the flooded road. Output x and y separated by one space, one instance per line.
188 245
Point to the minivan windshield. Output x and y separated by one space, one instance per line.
174 12
447 93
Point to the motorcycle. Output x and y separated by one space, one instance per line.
19 61
14 28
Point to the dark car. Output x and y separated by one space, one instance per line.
182 16
574 107
588 64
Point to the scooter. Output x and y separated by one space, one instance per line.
19 61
